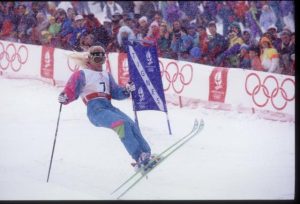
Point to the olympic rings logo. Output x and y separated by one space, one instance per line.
178 78
12 57
270 94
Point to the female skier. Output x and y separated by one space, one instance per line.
96 88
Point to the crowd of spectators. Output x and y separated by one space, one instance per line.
257 35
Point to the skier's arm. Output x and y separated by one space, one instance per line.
117 92
74 86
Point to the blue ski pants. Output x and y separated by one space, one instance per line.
102 113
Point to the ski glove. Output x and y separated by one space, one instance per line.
130 87
62 98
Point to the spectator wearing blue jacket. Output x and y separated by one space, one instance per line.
79 30
66 28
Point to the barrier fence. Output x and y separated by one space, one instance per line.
186 84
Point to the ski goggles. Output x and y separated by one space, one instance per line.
97 57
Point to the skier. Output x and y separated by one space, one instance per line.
96 88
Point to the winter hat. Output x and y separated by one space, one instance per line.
272 27
235 27
78 17
107 20
212 23
195 52
143 18
265 39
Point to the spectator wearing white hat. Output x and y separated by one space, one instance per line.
79 30
143 27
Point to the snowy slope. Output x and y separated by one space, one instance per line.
236 156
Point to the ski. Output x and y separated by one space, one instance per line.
195 126
163 156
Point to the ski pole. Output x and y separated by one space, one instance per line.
54 142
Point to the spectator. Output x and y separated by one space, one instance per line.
129 21
216 44
181 43
229 57
286 49
42 25
99 32
244 58
272 30
111 8
50 9
116 25
203 43
248 39
152 35
142 28
255 62
79 30
158 18
86 42
71 13
191 31
269 56
107 24
54 28
26 20
267 18
164 41
66 29
8 28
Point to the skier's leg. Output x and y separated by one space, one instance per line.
110 118
136 131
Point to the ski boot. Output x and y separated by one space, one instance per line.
145 162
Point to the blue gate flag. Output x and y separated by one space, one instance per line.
144 72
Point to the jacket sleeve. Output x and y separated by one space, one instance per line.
74 86
117 92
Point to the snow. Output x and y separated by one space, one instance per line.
236 156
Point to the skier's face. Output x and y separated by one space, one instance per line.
96 58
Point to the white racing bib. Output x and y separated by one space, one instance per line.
95 82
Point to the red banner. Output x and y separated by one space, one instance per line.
47 62
218 84
123 76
